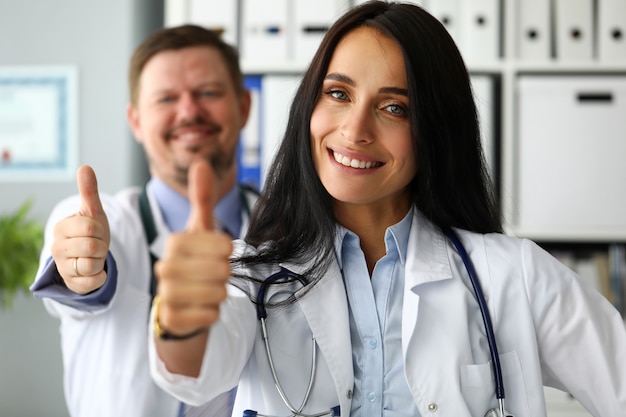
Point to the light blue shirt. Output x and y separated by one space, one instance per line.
380 387
175 208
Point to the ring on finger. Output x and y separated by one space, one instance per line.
78 274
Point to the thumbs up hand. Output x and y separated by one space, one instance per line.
195 269
81 241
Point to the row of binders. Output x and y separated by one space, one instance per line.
542 30
270 31
571 30
287 30
259 140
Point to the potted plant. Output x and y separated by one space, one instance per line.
20 243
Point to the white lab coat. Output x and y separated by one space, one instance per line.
550 329
105 355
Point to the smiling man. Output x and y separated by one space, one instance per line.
187 102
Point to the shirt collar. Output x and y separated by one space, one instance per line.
396 236
175 208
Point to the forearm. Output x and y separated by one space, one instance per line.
182 357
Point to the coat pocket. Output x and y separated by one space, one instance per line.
478 386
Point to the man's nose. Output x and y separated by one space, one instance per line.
188 107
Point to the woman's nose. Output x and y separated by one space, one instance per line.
357 125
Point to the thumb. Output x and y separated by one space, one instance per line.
90 204
201 189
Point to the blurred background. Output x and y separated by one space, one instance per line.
549 78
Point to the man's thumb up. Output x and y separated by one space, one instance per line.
202 196
90 205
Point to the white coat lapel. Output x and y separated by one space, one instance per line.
326 310
426 261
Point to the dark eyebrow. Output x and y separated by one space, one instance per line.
334 76
395 90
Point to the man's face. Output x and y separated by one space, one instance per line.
188 108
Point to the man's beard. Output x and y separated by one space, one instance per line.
220 161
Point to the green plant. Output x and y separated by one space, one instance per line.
20 243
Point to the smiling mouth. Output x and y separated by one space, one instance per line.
355 163
193 132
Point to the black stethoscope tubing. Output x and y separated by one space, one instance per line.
482 304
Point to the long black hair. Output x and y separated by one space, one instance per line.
294 219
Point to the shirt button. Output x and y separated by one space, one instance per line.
373 343
432 407
371 397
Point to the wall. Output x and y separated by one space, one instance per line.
97 37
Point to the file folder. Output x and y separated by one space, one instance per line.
249 147
573 29
448 12
480 30
612 30
175 12
422 3
532 31
220 17
311 21
264 30
570 170
278 93
485 99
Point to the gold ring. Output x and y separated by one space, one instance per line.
76 268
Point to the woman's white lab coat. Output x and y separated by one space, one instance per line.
550 329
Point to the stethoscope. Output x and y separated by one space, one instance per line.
491 337
284 276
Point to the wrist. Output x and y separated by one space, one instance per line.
163 334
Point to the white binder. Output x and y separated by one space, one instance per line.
532 31
221 17
176 12
250 139
422 3
611 30
480 30
574 29
448 12
278 93
484 97
570 170
264 30
311 20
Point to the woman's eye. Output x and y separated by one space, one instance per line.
337 94
395 109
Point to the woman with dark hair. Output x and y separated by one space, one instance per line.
354 291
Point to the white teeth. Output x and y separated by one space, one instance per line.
354 163
188 137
